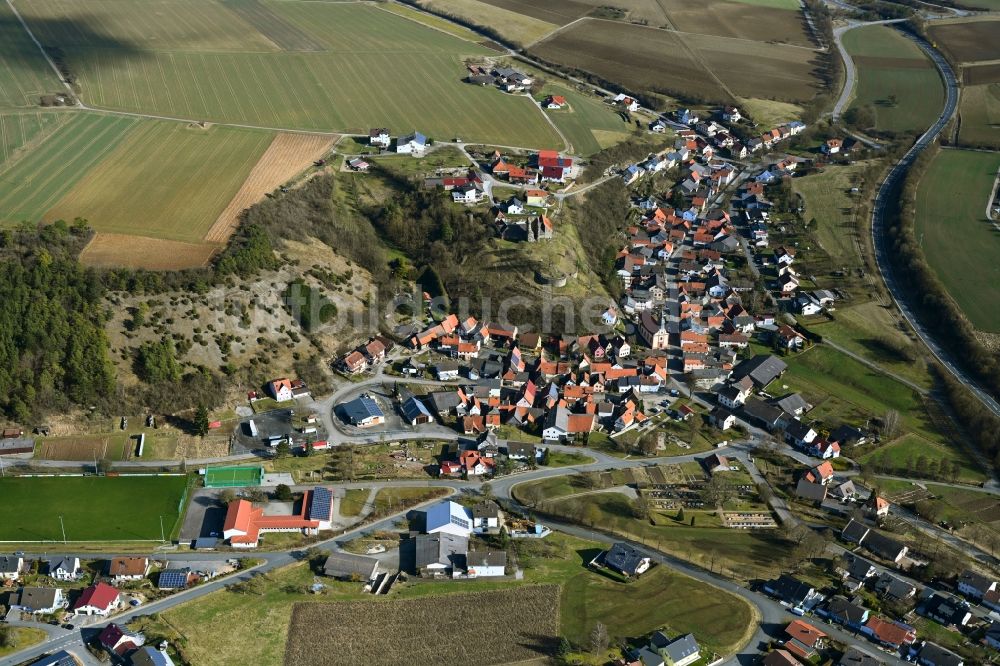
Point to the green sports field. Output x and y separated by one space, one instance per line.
956 237
165 180
890 64
92 508
303 65
33 183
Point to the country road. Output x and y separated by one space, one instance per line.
887 198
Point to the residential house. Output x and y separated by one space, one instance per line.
845 491
779 657
486 517
411 144
348 566
975 585
855 656
733 396
446 370
885 547
440 554
355 362
821 473
124 569
414 411
803 639
627 102
932 654
150 656
894 588
175 578
555 102
840 610
625 559
41 599
485 563
363 412
723 419
379 137
448 518
280 389
468 193
715 463
832 146
680 651
657 126
561 424
876 506
60 658
795 593
813 492
761 369
855 532
761 414
945 610
886 633
731 114
65 569
98 599
992 636
799 434
117 641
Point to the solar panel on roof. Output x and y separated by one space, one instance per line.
319 506
173 578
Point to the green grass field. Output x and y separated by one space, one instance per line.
33 183
955 236
165 180
890 64
345 67
24 129
910 447
24 74
93 509
585 120
791 5
828 199
980 112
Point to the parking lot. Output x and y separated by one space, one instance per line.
205 516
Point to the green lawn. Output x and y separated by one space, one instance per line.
829 201
23 638
909 448
955 236
890 64
353 501
24 74
841 388
346 67
565 459
34 182
165 180
93 509
585 119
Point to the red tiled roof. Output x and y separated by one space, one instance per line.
804 632
101 595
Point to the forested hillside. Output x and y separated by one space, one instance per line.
53 350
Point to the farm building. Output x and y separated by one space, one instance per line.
363 412
485 563
411 144
347 566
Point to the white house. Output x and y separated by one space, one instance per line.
832 146
731 114
411 144
66 569
628 102
658 126
448 517
733 396
41 599
485 563
470 193
379 137
99 599
124 569
10 567
281 389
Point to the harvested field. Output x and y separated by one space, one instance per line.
739 20
636 57
967 41
81 448
979 110
522 624
755 69
106 250
521 29
286 157
981 74
559 12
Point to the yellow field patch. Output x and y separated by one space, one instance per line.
287 156
608 138
155 254
517 28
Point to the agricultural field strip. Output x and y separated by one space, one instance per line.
51 165
705 36
17 135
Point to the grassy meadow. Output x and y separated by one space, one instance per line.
955 235
890 64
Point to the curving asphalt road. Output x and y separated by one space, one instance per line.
900 290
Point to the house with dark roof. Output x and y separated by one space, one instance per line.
439 554
10 567
65 569
794 592
625 559
932 654
975 585
885 547
855 656
680 651
362 412
854 532
41 599
945 610
759 413
117 641
150 656
175 579
807 490
60 658
838 609
413 410
348 566
761 369
485 563
894 588
779 657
